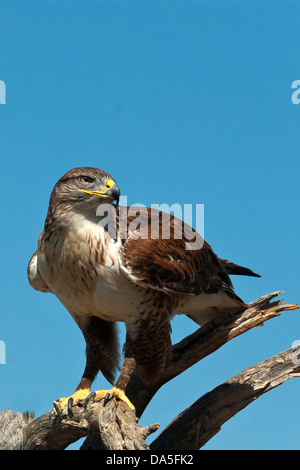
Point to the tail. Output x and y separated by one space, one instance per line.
233 268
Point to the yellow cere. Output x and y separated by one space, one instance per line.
110 183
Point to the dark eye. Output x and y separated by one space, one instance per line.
86 179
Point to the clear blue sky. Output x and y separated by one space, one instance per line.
182 102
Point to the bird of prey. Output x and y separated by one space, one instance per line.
103 276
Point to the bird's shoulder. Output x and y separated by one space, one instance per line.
34 276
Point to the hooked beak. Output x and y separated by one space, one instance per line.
111 191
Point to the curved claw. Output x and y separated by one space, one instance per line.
70 404
89 398
106 398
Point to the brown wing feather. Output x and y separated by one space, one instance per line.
167 264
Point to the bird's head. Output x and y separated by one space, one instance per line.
82 190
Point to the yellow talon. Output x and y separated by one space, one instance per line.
79 395
84 395
114 392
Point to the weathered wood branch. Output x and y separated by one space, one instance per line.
116 426
203 419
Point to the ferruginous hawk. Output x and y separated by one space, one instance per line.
104 266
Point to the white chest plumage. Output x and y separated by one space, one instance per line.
81 267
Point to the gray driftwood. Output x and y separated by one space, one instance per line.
116 427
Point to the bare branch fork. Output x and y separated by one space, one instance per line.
115 426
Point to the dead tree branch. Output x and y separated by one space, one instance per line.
203 419
116 424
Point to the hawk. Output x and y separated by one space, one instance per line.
103 264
